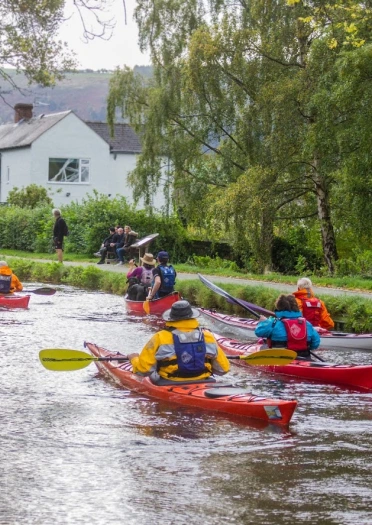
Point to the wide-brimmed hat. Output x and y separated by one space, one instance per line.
180 311
148 258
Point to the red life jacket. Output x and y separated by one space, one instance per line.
311 310
296 333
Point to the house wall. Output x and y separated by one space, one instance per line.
15 170
70 138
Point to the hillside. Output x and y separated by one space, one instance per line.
85 92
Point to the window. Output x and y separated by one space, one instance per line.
69 170
7 174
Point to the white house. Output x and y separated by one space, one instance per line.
68 156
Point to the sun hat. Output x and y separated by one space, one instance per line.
180 310
148 258
3 263
163 255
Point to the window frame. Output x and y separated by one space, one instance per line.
84 163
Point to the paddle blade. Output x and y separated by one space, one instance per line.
60 359
146 307
42 291
270 357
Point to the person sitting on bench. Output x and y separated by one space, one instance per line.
105 246
123 247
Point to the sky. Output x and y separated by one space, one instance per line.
122 49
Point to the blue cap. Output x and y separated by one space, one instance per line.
163 255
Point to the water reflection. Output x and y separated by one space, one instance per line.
79 449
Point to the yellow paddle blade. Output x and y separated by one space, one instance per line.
270 357
146 307
61 359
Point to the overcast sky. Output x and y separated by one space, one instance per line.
121 49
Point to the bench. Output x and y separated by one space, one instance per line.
140 247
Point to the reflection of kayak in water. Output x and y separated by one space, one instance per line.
354 376
14 301
206 395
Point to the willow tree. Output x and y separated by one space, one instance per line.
29 42
245 89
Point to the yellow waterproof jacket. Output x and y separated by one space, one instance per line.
15 284
325 320
161 348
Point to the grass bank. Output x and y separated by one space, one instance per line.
355 313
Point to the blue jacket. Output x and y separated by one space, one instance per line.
276 330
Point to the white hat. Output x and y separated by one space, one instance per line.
3 263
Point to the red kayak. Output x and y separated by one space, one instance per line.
156 306
354 376
327 339
14 301
206 395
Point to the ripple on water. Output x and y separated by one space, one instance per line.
77 448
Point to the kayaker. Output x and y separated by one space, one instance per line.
9 282
164 277
144 277
182 351
288 328
312 308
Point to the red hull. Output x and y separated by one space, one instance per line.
14 301
354 376
157 306
327 339
246 405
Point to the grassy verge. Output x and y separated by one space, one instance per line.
354 283
356 313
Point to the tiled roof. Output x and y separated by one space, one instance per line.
125 140
26 131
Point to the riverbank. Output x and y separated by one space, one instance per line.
351 311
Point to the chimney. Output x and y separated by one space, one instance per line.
22 111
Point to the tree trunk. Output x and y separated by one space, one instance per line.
324 216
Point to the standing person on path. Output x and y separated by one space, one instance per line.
313 309
60 230
288 328
164 278
181 352
9 282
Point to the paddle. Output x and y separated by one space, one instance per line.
60 359
226 295
239 302
42 291
146 306
254 307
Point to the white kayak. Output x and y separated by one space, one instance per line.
246 327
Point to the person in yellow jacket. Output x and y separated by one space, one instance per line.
182 351
9 282
313 309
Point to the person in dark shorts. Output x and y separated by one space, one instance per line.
60 230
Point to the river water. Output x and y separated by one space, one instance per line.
77 449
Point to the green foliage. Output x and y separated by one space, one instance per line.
31 229
217 262
30 197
